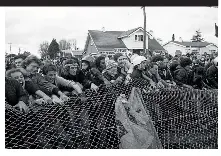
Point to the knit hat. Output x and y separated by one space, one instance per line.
111 64
137 60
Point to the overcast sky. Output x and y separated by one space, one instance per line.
27 27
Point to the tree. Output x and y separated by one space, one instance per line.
43 49
64 44
173 37
53 49
197 37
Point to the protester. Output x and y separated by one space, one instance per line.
183 73
18 60
15 95
112 74
93 77
27 84
50 74
212 74
31 65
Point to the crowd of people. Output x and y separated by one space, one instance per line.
32 80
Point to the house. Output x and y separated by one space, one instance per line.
77 53
190 47
70 53
111 42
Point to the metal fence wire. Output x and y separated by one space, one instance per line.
183 118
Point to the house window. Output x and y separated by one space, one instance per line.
138 37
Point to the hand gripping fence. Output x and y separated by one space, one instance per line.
178 118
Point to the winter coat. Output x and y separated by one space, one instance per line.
183 76
14 92
165 74
45 86
92 75
212 76
31 87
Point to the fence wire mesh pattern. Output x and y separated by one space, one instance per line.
183 118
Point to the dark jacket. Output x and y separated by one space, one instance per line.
45 86
165 74
14 92
183 76
136 73
212 76
31 87
79 77
92 75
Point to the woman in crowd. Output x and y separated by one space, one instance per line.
27 84
15 95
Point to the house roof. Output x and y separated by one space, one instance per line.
107 41
154 45
127 33
192 44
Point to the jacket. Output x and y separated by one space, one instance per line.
14 92
92 75
183 76
45 86
212 76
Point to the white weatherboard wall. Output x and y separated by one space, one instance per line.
132 44
208 49
171 48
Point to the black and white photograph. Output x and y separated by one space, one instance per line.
111 77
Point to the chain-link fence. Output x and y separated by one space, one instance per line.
183 118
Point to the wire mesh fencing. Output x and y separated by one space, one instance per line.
183 118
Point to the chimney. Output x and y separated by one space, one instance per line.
180 39
103 29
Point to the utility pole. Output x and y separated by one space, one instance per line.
145 32
19 50
10 47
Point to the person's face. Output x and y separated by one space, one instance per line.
32 68
122 60
142 65
73 69
102 64
166 61
18 62
50 76
19 77
84 65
